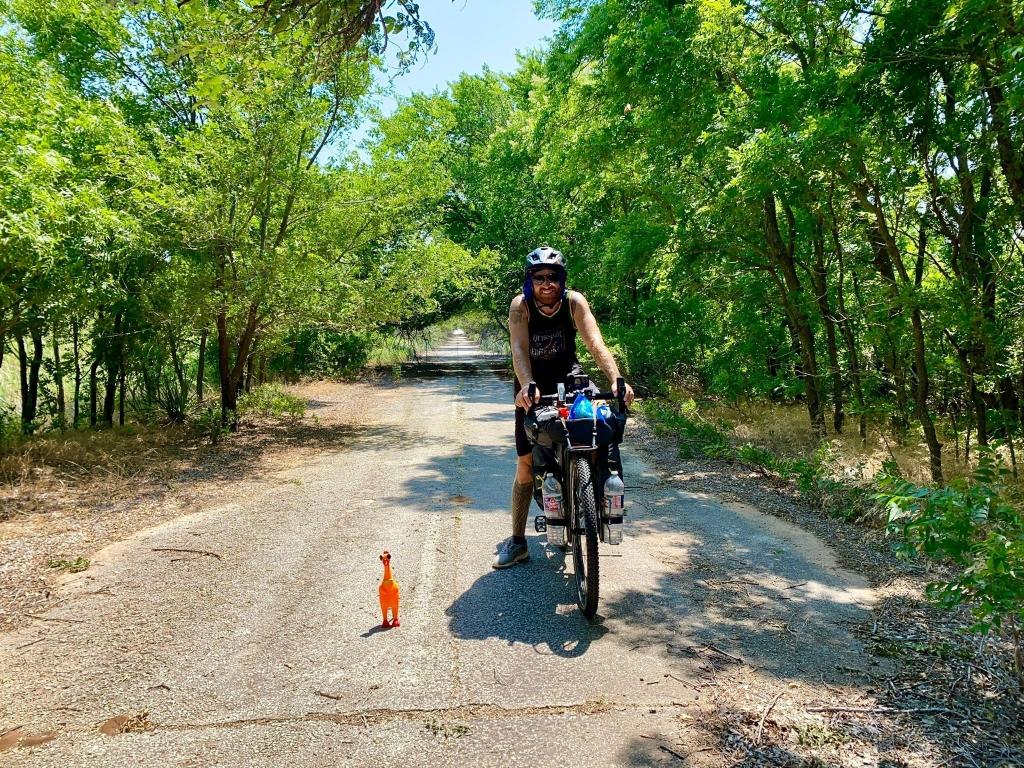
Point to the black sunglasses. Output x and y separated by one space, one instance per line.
547 277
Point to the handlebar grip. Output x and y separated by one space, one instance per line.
620 389
531 390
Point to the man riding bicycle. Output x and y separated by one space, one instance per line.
543 321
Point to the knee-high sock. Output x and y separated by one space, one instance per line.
522 495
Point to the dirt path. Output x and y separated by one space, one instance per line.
246 634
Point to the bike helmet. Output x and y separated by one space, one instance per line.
544 257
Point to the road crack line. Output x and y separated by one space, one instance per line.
377 716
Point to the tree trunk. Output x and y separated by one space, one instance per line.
177 411
228 398
23 381
249 373
921 398
93 387
78 372
201 372
1011 160
120 397
29 377
920 363
980 407
782 256
846 329
887 260
112 364
821 294
58 378
231 374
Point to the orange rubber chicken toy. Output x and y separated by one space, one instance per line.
388 593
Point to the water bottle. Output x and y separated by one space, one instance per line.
582 408
551 491
614 508
604 413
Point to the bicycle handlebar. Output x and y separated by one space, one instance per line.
620 395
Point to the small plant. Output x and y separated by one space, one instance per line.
209 424
972 524
77 565
817 736
271 400
447 731
757 457
10 427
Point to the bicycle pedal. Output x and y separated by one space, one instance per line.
540 524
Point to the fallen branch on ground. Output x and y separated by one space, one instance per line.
767 711
882 710
327 695
54 618
192 551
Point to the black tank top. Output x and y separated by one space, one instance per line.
552 346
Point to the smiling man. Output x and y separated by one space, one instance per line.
543 321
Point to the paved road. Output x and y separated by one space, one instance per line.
270 654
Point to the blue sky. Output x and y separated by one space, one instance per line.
470 34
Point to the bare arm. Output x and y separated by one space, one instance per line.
586 323
519 341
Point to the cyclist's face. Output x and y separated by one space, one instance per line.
545 284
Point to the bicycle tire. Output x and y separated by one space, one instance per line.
585 538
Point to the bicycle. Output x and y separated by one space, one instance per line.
577 448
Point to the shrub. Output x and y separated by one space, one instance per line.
209 424
698 435
10 427
972 524
271 400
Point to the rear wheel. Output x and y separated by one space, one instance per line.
584 536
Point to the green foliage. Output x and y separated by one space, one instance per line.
271 400
317 351
10 427
77 565
165 196
210 425
972 524
697 435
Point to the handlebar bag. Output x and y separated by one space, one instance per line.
543 427
609 430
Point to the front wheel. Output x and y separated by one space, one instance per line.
584 536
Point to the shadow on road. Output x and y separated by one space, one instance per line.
532 603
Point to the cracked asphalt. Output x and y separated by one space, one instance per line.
247 634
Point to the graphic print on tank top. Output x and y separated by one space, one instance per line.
547 345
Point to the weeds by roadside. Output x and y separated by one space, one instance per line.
77 565
271 400
814 475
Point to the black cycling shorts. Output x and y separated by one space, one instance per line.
523 447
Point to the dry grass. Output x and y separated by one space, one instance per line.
41 472
785 431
